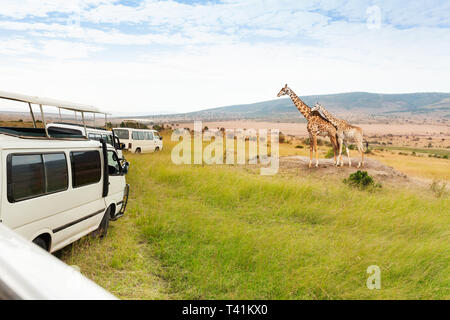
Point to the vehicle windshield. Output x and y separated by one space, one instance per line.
97 136
122 134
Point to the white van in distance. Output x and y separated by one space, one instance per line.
139 140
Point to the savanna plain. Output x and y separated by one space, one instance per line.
226 232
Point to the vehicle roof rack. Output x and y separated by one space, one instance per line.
60 104
79 125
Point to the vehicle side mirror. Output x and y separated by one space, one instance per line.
125 167
160 137
121 146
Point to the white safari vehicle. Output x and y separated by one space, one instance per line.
57 187
139 140
27 272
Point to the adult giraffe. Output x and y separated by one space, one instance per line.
346 133
317 125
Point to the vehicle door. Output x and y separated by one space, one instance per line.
116 181
151 141
158 141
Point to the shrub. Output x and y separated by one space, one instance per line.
330 154
361 180
299 146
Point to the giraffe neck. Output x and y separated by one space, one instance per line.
330 117
301 106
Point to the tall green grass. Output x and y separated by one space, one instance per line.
222 232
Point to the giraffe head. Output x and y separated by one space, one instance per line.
316 107
285 90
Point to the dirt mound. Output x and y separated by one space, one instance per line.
376 169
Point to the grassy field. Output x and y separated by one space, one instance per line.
219 232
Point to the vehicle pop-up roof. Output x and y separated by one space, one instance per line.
44 132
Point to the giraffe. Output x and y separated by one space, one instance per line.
346 133
317 125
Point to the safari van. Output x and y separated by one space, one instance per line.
139 140
58 187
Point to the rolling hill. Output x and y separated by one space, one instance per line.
353 104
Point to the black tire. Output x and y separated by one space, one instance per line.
105 224
156 149
138 150
102 230
41 243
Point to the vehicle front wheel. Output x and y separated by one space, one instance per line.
102 230
156 149
138 150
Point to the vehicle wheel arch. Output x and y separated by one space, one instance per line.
46 237
112 209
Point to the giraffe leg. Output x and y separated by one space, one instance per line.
361 151
359 163
341 142
315 150
311 144
336 144
335 151
348 156
362 158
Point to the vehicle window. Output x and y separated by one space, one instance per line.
55 172
86 168
94 136
108 138
113 163
149 135
26 177
141 135
156 135
135 135
122 134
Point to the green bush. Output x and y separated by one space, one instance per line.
361 180
330 154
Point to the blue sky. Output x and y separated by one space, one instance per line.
177 56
